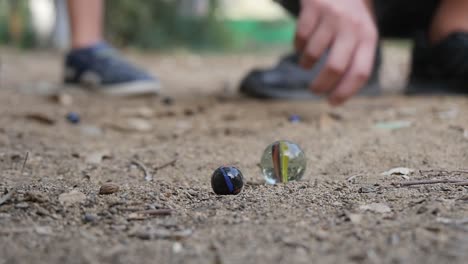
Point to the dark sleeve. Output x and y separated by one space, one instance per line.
293 6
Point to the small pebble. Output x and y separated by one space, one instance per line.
189 112
294 119
108 188
168 100
90 218
73 118
22 205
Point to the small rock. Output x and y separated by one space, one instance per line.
177 248
294 118
96 157
108 188
138 125
41 211
367 189
4 215
168 101
36 197
355 218
189 112
376 208
43 230
72 197
90 218
90 130
23 205
73 118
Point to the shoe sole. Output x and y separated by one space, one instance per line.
123 90
372 89
441 87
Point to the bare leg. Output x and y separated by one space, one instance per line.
451 16
86 18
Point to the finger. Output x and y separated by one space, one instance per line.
357 75
318 43
306 24
338 62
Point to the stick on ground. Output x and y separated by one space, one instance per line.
425 182
148 176
170 163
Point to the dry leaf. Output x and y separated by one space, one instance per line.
41 118
108 188
398 171
71 197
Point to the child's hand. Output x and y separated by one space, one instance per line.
347 29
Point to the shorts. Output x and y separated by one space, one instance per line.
395 18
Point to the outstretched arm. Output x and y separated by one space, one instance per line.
347 30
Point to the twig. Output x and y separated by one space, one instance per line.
442 171
148 176
143 215
423 182
24 163
6 197
156 212
170 163
349 179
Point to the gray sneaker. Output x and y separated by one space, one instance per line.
101 69
287 80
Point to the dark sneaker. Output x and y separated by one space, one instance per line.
287 80
440 68
101 69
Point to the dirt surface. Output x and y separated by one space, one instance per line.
343 211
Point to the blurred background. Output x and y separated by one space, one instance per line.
200 25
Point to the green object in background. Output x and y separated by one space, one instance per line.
248 34
161 25
15 24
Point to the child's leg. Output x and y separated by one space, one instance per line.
402 19
450 17
86 18
93 64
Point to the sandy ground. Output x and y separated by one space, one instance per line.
343 211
